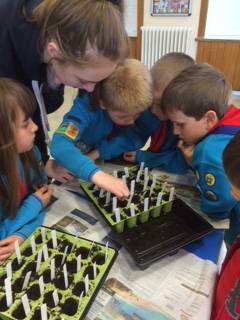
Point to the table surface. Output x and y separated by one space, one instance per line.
129 293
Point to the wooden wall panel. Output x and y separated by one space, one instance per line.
223 55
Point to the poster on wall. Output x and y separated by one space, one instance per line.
170 7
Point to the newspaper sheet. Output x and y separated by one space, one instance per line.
175 287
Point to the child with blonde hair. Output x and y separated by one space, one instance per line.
23 183
122 97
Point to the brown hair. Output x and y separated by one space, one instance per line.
13 98
168 67
128 88
78 26
196 90
231 161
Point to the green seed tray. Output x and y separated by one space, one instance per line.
141 216
68 306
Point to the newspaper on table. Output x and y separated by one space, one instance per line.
175 287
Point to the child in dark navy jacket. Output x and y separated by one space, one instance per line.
196 101
126 93
226 304
23 189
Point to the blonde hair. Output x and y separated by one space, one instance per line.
14 97
167 68
79 26
128 88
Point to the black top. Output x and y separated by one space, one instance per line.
20 57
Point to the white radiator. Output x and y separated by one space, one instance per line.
157 41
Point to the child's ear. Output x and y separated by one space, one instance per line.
211 119
52 49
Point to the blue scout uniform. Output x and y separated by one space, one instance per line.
79 133
30 213
216 198
162 153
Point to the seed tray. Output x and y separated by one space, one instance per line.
68 306
156 232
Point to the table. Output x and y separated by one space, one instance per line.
175 287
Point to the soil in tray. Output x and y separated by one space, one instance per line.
136 198
83 251
89 271
58 260
27 252
99 259
37 315
31 266
122 203
33 292
63 245
46 276
38 239
72 266
60 283
69 307
17 285
19 313
15 265
2 278
48 299
108 208
3 305
78 289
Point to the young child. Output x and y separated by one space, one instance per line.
163 151
23 189
227 292
126 93
196 101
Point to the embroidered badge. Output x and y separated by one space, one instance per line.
72 131
211 196
69 129
209 179
62 129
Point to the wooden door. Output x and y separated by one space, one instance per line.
222 54
135 42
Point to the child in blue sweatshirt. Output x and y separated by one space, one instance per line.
196 101
163 152
122 97
23 183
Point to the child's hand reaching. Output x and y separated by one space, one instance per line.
187 151
7 246
130 156
111 184
44 194
94 154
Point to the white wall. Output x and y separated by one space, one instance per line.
190 21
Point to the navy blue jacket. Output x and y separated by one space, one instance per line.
20 57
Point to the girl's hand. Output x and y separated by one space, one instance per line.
7 246
111 184
44 194
130 156
187 151
57 172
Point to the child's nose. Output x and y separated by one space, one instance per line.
89 87
34 127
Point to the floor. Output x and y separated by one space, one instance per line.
70 93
